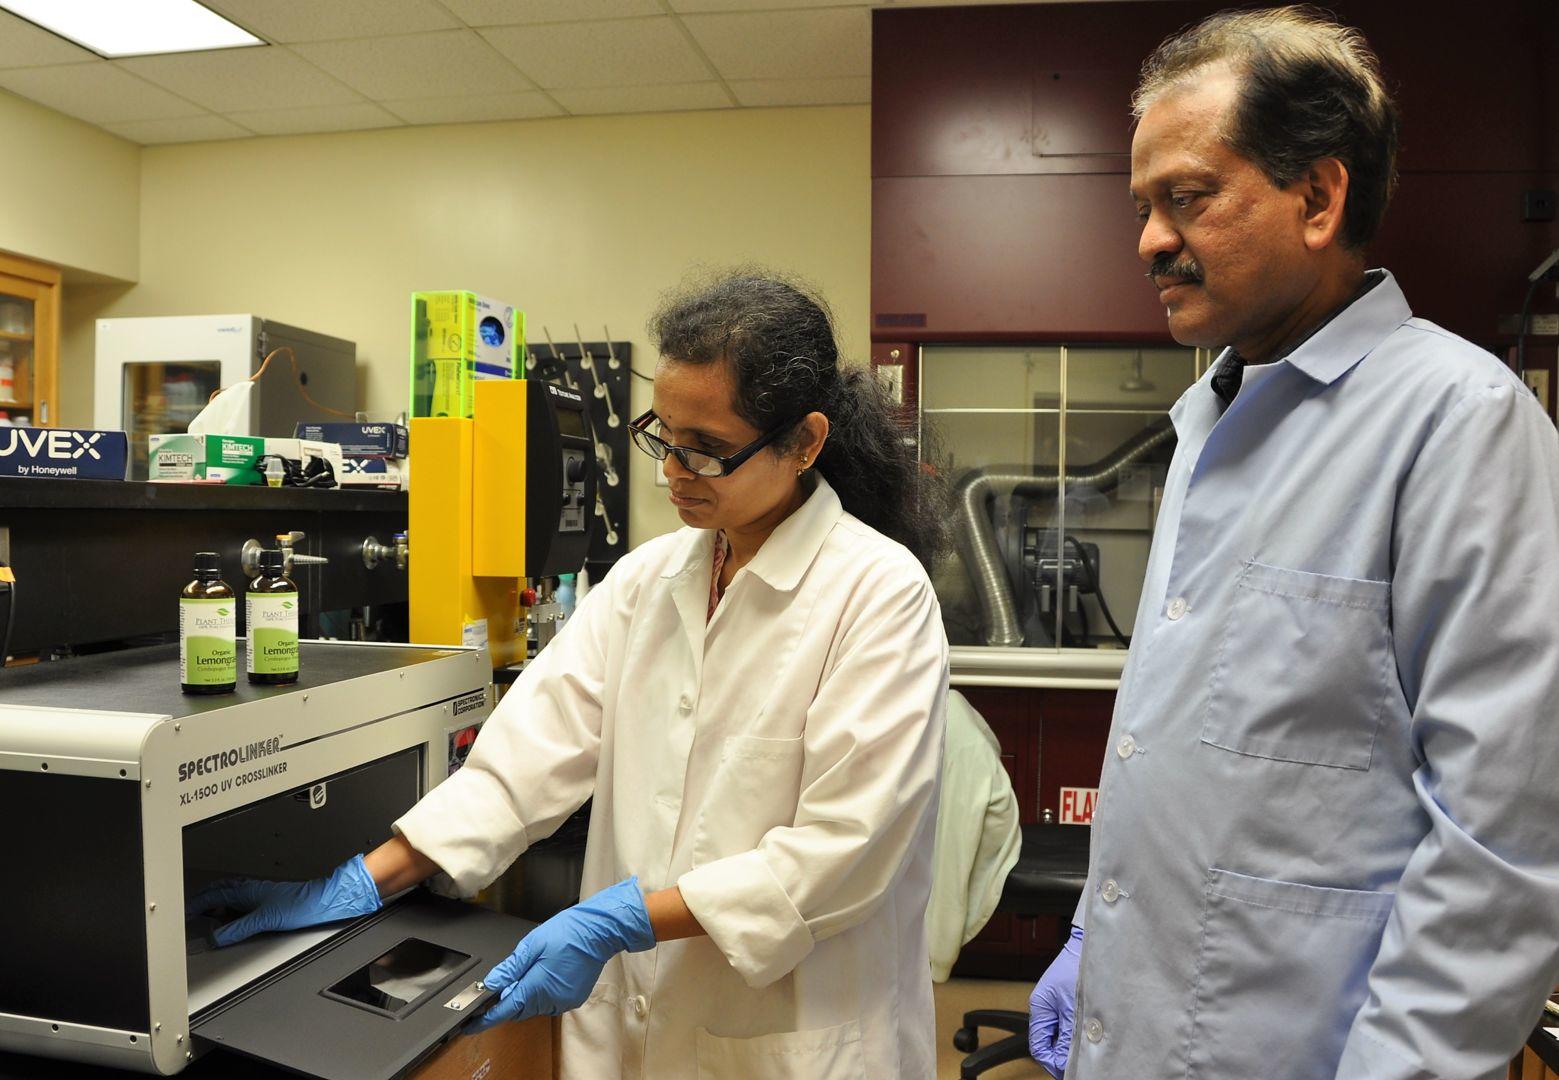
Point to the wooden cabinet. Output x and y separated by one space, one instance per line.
1000 164
1529 1066
29 342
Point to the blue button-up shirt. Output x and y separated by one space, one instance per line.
1327 843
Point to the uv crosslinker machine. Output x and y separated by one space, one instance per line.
121 796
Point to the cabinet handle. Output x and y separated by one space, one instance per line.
43 414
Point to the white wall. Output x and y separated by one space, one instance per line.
70 195
575 219
69 192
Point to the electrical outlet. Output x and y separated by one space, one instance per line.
1538 380
1545 325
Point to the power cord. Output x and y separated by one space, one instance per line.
1098 590
298 381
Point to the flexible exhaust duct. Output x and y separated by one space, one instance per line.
976 537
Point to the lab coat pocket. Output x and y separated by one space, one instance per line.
826 1054
757 788
1304 669
1280 976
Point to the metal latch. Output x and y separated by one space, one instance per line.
462 1000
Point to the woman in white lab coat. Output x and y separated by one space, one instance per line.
755 704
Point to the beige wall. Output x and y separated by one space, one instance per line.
69 192
580 220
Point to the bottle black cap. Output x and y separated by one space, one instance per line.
208 564
271 562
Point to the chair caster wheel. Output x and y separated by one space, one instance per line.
966 1040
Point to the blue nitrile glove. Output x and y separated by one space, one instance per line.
288 905
1050 1007
556 965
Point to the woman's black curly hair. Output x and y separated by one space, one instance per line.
778 337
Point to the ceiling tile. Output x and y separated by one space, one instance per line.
850 91
328 20
24 45
682 6
445 63
512 12
324 118
634 99
97 92
251 79
180 129
466 110
833 43
624 52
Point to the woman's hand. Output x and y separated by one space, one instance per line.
557 964
288 905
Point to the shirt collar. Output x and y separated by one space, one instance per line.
789 550
1352 334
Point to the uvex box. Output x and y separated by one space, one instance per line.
71 453
357 439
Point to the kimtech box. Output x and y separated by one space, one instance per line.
70 453
228 458
358 439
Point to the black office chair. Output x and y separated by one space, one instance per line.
1049 877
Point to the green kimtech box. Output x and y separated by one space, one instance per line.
458 337
228 458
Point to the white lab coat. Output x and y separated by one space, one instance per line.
780 765
977 836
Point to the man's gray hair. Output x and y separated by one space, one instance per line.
1309 89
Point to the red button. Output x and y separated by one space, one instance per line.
527 597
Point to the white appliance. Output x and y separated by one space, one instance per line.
154 374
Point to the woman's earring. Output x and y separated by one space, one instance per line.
803 468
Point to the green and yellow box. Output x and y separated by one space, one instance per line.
457 338
228 458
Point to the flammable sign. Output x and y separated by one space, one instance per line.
1077 804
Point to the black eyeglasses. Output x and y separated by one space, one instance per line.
698 461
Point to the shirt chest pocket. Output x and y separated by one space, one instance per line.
1304 668
756 788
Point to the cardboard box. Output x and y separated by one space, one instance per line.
522 1051
459 338
384 474
228 458
358 439
71 453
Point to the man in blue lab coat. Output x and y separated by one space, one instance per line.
1327 842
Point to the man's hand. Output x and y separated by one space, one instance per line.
1050 1008
288 905
557 964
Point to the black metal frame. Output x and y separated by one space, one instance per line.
565 367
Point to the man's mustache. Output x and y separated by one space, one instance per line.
1184 269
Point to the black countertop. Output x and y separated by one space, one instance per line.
56 494
146 680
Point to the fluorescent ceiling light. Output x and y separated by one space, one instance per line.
115 28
